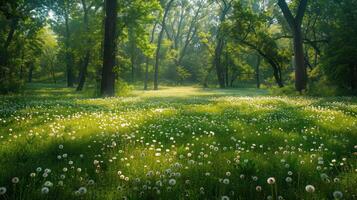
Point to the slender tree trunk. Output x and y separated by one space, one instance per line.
146 74
257 71
218 63
84 69
69 56
159 41
148 59
53 72
108 75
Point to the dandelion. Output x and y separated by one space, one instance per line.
33 175
271 180
337 194
226 181
172 182
45 190
91 182
2 190
82 190
48 184
15 180
310 188
288 179
224 198
258 188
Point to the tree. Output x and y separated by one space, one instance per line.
225 7
295 26
339 61
159 41
250 30
20 21
110 36
88 42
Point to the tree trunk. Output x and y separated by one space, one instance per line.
300 69
4 56
159 41
84 69
257 72
148 60
83 72
218 63
108 75
69 56
219 47
295 26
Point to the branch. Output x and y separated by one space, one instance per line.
287 13
301 11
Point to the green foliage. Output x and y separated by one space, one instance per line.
340 57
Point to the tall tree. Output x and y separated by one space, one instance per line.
110 35
225 7
295 26
69 55
159 41
88 42
148 59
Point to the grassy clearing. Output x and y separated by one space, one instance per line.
176 143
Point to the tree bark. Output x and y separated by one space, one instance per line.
148 60
295 26
4 56
84 69
257 71
108 75
220 45
69 56
159 41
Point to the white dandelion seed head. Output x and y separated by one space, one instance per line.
2 190
15 180
172 182
337 194
45 190
226 181
48 184
271 181
82 190
224 198
310 188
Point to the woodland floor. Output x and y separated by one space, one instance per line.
176 143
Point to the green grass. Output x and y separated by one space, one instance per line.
136 147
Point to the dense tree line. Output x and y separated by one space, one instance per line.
107 44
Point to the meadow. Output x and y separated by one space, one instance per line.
177 143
